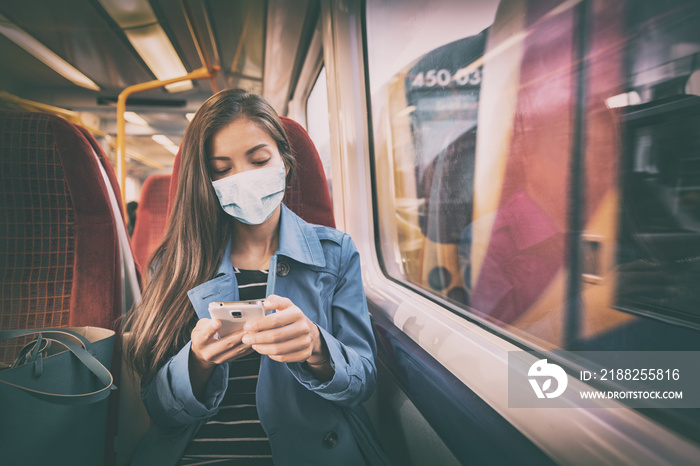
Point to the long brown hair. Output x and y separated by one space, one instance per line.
196 234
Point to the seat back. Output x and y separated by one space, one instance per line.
131 271
151 217
59 254
105 162
307 193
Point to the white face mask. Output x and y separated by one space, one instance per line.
252 196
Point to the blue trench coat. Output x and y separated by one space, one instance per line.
307 421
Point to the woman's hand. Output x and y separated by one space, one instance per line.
287 335
208 351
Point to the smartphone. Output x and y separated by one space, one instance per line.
234 314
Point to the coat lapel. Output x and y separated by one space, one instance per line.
223 287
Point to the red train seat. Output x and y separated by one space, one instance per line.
59 252
151 217
131 286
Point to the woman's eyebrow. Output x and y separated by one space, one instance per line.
253 149
248 152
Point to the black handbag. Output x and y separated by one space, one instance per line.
53 398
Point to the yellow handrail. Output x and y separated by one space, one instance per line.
200 73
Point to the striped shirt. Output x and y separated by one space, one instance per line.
234 435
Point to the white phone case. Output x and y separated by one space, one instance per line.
234 314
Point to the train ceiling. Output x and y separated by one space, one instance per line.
255 43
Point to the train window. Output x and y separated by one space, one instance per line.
317 123
536 164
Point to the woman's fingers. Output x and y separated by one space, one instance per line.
201 336
281 318
277 302
205 330
209 350
283 352
235 353
286 336
295 329
284 340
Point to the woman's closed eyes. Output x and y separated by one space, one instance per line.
223 169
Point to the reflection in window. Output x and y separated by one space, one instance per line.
443 100
434 105
537 163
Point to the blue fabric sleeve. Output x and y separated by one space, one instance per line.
169 399
350 341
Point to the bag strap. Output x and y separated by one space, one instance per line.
32 351
86 358
7 334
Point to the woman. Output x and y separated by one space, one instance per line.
229 238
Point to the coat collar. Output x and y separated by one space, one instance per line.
298 241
